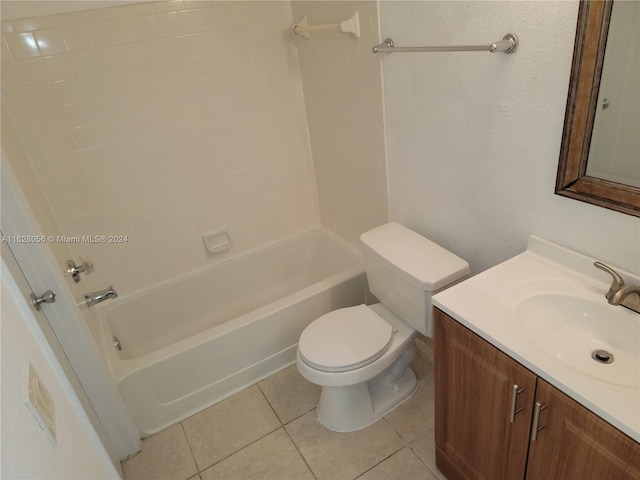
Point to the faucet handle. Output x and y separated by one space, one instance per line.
74 270
617 281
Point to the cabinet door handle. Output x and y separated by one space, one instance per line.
536 427
514 402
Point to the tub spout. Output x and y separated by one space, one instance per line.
99 296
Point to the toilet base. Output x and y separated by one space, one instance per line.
346 409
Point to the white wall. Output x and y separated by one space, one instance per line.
26 452
474 138
161 121
342 82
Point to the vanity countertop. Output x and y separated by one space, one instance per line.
491 305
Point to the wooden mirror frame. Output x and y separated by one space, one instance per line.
588 57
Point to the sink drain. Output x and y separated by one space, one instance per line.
602 356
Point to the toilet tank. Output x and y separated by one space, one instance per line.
404 269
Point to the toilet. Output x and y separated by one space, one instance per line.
360 355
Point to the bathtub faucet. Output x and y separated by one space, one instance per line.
99 296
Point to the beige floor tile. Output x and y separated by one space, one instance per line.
425 348
228 426
415 417
273 457
290 394
333 455
165 455
402 465
425 448
422 367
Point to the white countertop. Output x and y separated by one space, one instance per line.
486 305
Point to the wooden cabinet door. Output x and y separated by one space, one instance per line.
474 381
576 444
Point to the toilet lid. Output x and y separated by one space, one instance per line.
345 339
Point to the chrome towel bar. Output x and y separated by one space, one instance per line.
508 44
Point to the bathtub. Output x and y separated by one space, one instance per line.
195 340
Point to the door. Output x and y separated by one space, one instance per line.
64 319
484 402
576 444
41 318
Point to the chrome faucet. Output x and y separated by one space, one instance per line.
620 293
99 296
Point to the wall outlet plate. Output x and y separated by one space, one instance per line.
41 405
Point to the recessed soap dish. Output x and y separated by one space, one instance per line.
217 241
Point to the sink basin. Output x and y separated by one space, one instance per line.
572 328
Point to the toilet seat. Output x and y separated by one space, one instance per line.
345 339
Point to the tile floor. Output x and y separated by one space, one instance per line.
269 431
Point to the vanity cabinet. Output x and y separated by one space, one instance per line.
485 403
575 443
474 386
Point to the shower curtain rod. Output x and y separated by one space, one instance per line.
351 26
508 44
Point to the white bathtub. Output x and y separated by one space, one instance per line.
193 341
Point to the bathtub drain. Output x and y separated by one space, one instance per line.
116 343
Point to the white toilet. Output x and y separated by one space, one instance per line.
360 355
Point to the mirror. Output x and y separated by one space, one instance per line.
577 179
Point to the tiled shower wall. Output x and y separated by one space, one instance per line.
342 81
159 122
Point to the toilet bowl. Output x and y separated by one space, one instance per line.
364 372
360 355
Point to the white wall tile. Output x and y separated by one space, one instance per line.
50 41
78 37
137 9
190 21
22 45
33 71
168 6
164 129
11 77
60 67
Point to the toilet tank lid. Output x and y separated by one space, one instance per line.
420 261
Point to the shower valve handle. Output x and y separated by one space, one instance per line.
74 270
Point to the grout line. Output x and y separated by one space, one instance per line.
295 445
301 415
383 460
195 462
287 432
419 457
264 395
404 440
405 443
282 422
240 449
431 468
199 469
